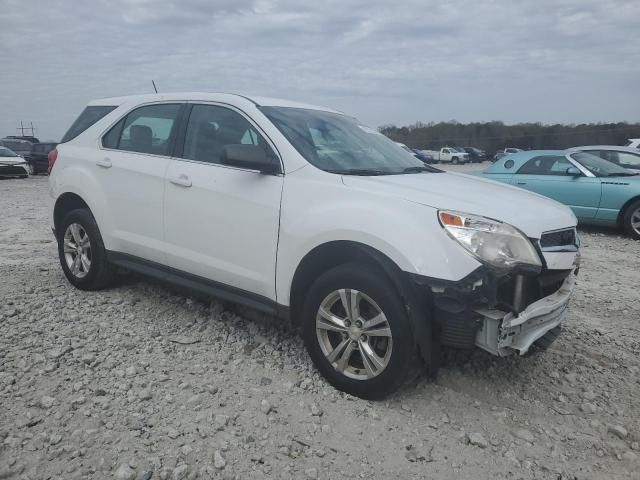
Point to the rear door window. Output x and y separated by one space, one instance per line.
87 118
149 129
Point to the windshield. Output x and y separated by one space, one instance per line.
600 167
5 152
339 144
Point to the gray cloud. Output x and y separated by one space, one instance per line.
531 60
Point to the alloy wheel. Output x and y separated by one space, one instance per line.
77 250
354 334
635 221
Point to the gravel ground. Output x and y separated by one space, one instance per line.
143 381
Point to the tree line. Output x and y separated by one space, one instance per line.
494 136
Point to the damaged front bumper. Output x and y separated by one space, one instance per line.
503 333
502 315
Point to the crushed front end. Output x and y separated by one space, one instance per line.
505 314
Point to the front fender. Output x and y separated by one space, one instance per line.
314 213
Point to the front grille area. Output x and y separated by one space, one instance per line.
533 289
12 170
559 238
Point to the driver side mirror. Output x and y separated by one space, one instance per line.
574 172
252 157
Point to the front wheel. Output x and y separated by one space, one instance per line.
357 332
454 160
82 253
30 168
631 220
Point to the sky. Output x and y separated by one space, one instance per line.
385 62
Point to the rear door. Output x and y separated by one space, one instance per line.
131 168
547 175
221 222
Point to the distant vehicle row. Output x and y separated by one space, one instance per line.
455 155
34 154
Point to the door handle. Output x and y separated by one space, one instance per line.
104 163
522 183
181 180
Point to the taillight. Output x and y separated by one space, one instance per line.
53 156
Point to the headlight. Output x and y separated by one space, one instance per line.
496 244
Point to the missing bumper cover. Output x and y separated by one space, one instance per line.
502 333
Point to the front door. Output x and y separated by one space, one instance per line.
221 222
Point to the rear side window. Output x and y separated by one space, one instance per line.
88 117
628 160
146 129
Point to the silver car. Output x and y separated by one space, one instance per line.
12 164
627 157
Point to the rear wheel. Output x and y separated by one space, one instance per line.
357 332
631 220
82 253
454 160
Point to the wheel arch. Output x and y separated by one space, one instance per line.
64 204
623 209
329 255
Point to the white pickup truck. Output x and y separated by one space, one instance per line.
448 155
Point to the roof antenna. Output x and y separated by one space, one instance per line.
154 86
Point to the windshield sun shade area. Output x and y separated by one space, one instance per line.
339 144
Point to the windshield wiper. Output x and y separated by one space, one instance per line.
418 169
361 171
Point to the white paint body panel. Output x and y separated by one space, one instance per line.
251 231
225 226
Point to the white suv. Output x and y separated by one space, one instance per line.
304 213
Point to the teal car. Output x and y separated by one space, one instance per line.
598 191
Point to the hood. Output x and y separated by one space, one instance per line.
529 212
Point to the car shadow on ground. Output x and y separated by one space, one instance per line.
458 368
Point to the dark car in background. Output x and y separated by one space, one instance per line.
29 138
475 154
20 146
38 158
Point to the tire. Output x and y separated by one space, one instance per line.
31 169
631 220
396 355
454 160
98 272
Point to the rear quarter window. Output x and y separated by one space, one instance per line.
89 116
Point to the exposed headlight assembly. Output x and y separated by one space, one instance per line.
498 245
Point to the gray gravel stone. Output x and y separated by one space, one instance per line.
218 460
125 472
265 407
478 440
618 431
